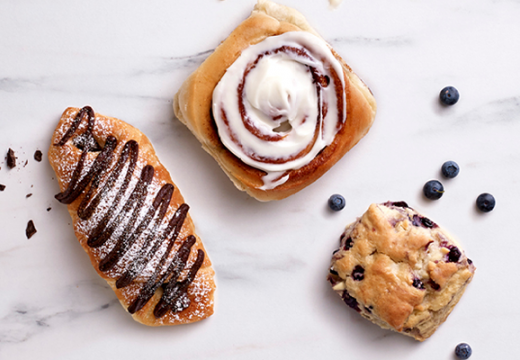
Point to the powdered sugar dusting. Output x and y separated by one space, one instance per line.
199 293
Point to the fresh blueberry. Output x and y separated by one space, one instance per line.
433 190
463 351
336 202
449 95
450 169
486 202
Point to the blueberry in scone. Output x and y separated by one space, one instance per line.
400 270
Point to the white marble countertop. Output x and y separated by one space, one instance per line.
127 60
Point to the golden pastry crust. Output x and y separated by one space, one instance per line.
193 102
400 270
64 159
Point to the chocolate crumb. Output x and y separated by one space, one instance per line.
49 209
38 155
26 162
28 195
30 230
11 159
2 187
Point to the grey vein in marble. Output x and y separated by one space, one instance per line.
25 320
393 41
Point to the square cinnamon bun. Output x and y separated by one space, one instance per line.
274 104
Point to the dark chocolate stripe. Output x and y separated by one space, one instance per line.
175 291
87 110
132 226
176 266
130 151
174 227
161 203
100 164
102 232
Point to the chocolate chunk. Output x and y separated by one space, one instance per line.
2 187
11 159
30 230
49 209
38 155
28 195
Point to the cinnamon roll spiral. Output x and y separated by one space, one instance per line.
280 103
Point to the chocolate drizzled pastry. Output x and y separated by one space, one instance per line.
131 219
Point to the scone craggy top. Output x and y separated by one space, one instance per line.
412 269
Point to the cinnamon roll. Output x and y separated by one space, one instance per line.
275 105
131 219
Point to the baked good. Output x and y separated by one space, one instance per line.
274 104
131 219
400 270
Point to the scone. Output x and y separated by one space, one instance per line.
400 270
131 219
275 105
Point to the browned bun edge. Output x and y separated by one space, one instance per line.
193 103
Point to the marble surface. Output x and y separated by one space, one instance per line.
127 59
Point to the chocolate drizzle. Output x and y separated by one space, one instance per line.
130 225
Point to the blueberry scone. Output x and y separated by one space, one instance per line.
400 270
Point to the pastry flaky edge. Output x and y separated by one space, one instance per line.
400 270
192 104
63 160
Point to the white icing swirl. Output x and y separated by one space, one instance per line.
286 108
